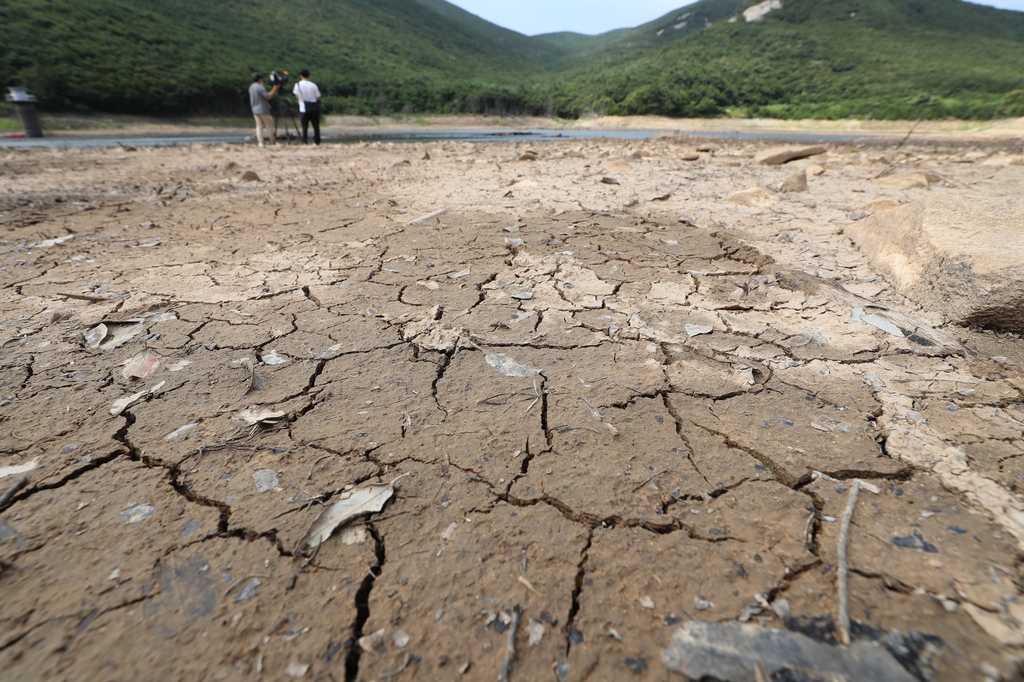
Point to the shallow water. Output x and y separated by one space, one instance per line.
431 135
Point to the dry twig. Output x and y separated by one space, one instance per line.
844 571
510 646
5 499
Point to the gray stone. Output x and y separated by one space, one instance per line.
957 256
906 181
776 156
797 182
732 652
754 197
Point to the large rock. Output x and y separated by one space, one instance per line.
1003 160
776 156
908 180
796 182
957 256
755 197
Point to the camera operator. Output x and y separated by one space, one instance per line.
259 100
309 106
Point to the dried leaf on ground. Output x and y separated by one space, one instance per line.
138 512
877 321
94 337
367 500
266 480
256 381
180 430
120 334
258 415
272 358
123 403
296 669
332 352
518 293
249 591
141 365
46 243
521 316
373 642
16 469
536 632
508 366
430 334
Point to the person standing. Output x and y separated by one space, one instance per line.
309 106
259 100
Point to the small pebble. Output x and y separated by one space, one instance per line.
991 672
637 665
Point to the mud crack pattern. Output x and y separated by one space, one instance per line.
620 408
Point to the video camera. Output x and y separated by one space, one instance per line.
279 78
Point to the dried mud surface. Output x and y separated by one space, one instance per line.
690 402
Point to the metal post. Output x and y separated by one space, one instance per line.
24 105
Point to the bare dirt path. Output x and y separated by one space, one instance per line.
624 397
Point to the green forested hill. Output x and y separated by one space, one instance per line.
821 58
194 55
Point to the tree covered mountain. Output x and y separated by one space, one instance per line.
193 55
819 58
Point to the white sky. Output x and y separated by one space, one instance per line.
593 16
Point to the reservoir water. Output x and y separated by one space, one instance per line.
399 136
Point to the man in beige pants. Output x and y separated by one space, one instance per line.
259 100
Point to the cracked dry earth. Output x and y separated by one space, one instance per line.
703 403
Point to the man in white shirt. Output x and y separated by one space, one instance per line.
309 106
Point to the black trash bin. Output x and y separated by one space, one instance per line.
25 105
